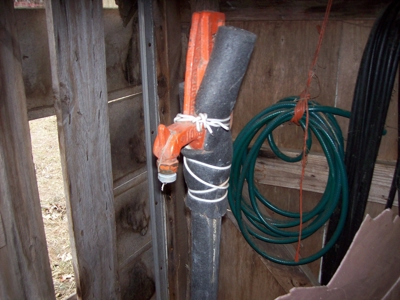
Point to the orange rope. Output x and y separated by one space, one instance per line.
300 109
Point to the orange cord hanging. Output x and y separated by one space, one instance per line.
300 109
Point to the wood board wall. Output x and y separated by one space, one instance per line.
278 68
124 122
285 46
287 35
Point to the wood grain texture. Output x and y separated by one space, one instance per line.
243 273
32 34
292 10
24 265
288 175
170 59
76 39
31 27
138 277
279 67
133 221
200 5
128 150
281 59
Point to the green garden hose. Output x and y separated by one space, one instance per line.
252 222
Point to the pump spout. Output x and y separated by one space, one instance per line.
190 129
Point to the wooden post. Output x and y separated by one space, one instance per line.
24 265
77 53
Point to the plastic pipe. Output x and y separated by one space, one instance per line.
216 97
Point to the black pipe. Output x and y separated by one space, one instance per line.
216 98
395 187
372 96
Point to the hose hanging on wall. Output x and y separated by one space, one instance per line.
321 121
259 226
369 109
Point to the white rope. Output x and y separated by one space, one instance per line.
202 121
222 186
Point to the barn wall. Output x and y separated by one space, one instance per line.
123 70
287 35
126 127
279 68
285 45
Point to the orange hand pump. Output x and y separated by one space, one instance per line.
170 140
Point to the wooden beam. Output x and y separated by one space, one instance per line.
24 265
275 172
284 10
77 54
200 5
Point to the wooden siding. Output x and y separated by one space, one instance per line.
135 258
288 175
77 52
122 58
279 66
243 274
24 265
287 35
128 150
289 10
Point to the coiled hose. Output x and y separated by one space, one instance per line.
255 225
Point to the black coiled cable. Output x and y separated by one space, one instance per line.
372 96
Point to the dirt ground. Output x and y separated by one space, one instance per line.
46 156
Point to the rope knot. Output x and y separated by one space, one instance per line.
202 121
300 108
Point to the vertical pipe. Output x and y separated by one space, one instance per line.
205 256
216 98
152 119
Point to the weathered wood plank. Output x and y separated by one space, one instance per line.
128 151
138 277
288 200
288 175
243 273
200 5
298 10
117 46
77 52
279 67
132 221
31 26
170 60
24 265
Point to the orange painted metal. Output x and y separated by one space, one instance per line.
201 40
170 140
